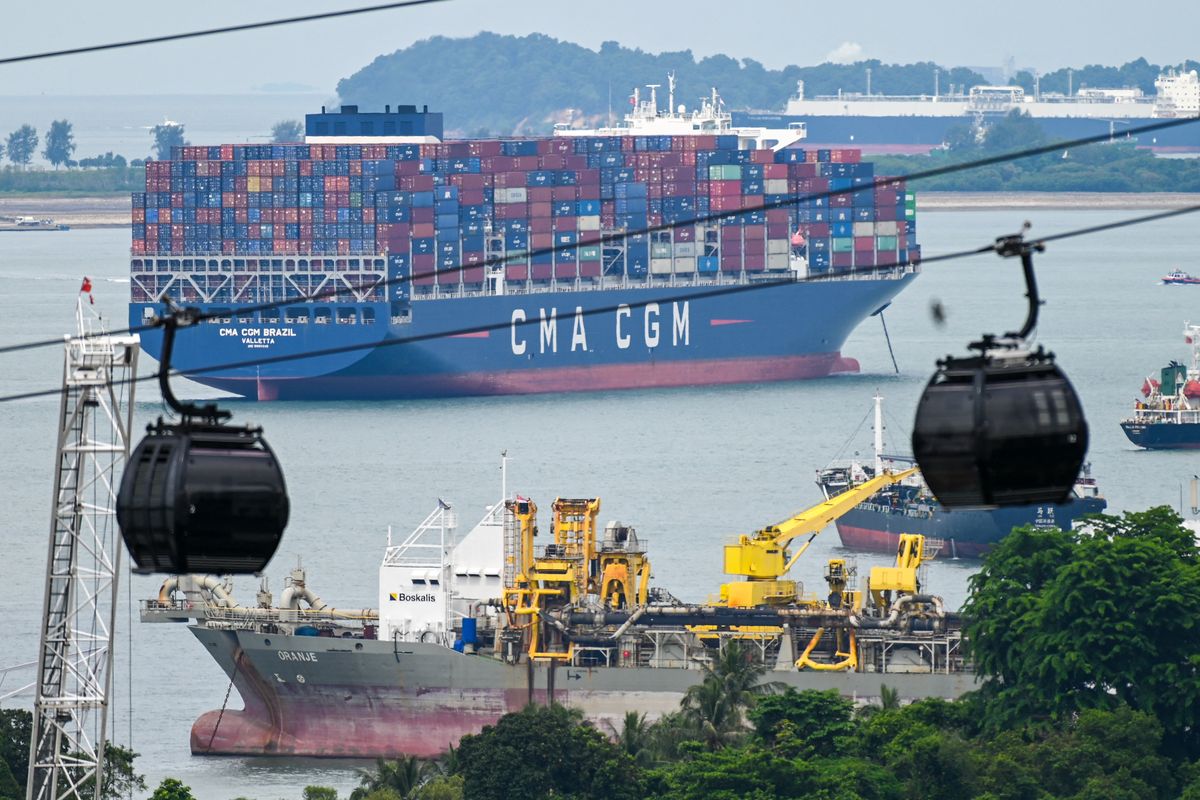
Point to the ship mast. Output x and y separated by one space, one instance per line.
878 434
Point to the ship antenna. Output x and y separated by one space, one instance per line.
670 93
503 475
878 433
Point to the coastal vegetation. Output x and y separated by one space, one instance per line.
1118 165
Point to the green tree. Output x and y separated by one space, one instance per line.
635 737
441 787
16 731
166 136
1059 622
120 778
287 130
60 143
546 752
730 685
320 793
22 143
402 776
822 721
172 789
9 788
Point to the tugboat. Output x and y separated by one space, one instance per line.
909 507
1169 416
1178 277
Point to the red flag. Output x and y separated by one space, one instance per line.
87 287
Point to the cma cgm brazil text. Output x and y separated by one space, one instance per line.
516 266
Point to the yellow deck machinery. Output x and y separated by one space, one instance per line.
572 571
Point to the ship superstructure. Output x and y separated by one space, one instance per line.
520 265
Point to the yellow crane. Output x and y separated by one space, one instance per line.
762 558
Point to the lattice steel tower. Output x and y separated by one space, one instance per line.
75 658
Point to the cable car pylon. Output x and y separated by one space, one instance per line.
75 659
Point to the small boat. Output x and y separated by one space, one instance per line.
1178 276
1169 416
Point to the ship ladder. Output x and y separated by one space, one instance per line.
237 664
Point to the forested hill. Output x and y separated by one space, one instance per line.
510 84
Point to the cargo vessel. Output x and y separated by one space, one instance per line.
468 629
514 266
908 507
1168 416
915 124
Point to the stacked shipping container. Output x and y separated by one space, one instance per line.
445 208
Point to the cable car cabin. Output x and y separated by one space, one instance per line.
202 498
1000 429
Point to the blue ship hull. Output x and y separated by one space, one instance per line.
965 534
1163 435
538 342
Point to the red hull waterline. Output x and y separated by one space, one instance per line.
883 542
646 375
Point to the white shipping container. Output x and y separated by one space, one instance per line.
775 186
660 266
685 265
517 195
778 261
685 249
589 223
776 247
885 228
864 229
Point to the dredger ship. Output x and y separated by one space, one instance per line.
468 629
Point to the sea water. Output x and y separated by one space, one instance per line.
689 468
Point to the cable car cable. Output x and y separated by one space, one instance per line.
249 26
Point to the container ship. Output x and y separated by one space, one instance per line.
468 629
1168 416
516 266
908 507
919 123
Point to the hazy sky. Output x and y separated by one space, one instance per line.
1044 35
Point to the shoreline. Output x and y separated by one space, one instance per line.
112 211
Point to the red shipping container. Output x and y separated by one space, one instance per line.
587 237
588 191
753 201
541 241
420 183
589 269
516 272
564 193
473 275
541 225
754 232
564 223
755 262
766 156
471 197
485 148
730 203
866 258
423 230
541 272
754 247
731 263
565 270
426 214
526 163
540 194
886 213
424 269
778 230
545 209
775 171
731 247
864 243
552 161
407 169
724 188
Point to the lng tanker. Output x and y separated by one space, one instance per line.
468 629
405 265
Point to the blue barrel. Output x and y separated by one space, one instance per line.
468 630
